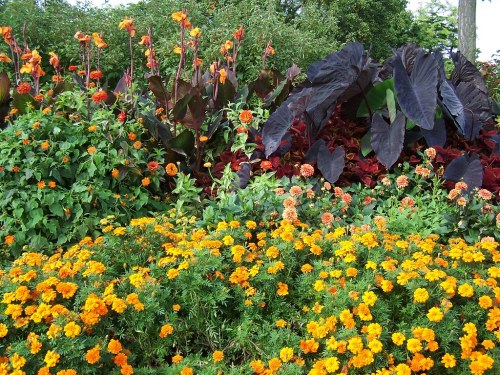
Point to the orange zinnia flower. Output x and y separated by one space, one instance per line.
246 116
72 68
96 74
99 96
171 169
23 88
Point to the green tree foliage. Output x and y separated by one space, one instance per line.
435 26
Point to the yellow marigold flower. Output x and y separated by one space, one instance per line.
51 358
403 369
286 354
172 273
166 330
91 150
218 356
420 295
398 338
448 360
176 307
186 371
466 290
3 330
355 345
282 289
72 329
485 302
114 346
435 314
281 323
414 345
369 298
177 358
17 361
375 346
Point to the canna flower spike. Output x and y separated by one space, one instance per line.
128 24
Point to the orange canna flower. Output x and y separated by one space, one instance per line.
145 41
128 24
98 41
179 16
54 59
238 34
81 37
6 33
222 75
270 50
195 33
4 58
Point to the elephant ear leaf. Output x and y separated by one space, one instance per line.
477 108
417 94
388 139
331 164
437 135
465 167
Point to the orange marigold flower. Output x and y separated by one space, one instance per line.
91 150
45 145
93 355
166 330
114 346
126 369
145 181
218 356
187 371
171 169
23 88
246 116
448 360
41 184
177 358
51 358
72 329
9 239
99 96
120 359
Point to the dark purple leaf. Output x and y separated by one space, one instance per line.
275 128
437 135
121 86
465 167
387 139
4 88
161 94
181 107
465 71
330 164
312 153
184 143
157 129
477 109
79 81
417 94
244 174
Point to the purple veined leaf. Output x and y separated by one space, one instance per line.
448 100
417 94
387 140
477 109
331 164
466 168
437 135
275 128
280 121
312 153
465 71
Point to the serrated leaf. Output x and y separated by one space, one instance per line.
387 140
417 94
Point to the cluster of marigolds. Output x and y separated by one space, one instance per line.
355 275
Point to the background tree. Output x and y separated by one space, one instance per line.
467 28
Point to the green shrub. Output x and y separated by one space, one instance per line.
61 173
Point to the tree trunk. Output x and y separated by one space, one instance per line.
467 28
